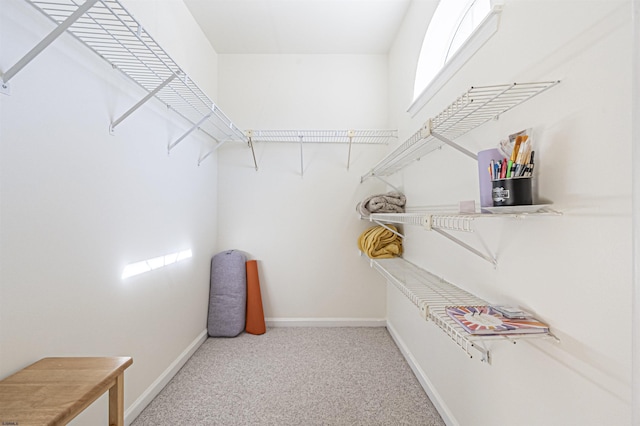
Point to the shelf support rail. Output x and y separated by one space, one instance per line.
432 223
454 145
141 102
350 135
201 159
386 182
461 243
387 228
249 135
428 131
195 126
44 43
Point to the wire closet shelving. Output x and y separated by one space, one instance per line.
474 108
350 137
443 221
432 295
109 30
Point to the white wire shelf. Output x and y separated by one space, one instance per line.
458 221
474 108
431 295
109 30
374 137
443 221
301 137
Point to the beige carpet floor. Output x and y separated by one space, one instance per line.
294 376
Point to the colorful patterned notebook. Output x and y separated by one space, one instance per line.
485 320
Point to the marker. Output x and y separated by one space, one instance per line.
530 167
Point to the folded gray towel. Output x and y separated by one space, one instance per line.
392 202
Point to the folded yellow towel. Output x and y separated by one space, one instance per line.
380 243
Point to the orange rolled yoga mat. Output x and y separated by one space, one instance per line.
255 314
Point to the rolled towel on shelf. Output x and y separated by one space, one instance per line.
378 242
391 202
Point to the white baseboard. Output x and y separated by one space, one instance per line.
325 322
428 387
152 391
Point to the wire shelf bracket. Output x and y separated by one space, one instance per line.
249 134
45 42
144 100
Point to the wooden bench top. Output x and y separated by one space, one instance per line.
53 391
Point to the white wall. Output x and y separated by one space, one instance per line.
303 229
573 271
78 204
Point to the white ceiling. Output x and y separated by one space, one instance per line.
299 26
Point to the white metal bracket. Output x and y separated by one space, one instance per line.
350 135
44 43
195 126
454 145
427 222
140 103
387 228
201 159
425 130
386 182
461 243
249 135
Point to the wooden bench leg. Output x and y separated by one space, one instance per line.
116 402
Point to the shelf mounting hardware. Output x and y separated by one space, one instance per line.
249 134
201 159
141 102
461 243
44 43
350 135
387 228
195 126
449 142
430 223
301 156
384 181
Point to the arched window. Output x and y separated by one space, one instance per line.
457 30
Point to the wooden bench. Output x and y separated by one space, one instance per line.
53 391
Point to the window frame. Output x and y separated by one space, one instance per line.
482 33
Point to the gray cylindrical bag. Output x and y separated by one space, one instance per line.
227 294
